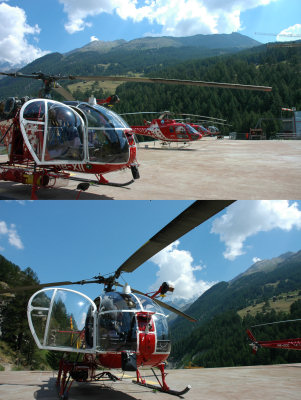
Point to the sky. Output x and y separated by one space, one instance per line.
30 29
71 241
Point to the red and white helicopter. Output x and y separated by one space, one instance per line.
166 129
289 344
124 330
198 122
46 139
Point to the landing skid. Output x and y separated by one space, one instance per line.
70 371
163 387
95 182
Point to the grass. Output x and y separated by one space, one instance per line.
281 303
107 86
7 355
83 86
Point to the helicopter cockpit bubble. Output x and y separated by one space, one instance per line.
62 319
53 132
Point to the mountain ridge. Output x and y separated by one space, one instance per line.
214 41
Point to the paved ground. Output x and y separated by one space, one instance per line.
207 169
277 382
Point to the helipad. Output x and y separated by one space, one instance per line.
274 382
207 169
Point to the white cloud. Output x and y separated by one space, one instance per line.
12 235
290 33
177 18
256 259
176 267
14 46
3 228
246 218
93 39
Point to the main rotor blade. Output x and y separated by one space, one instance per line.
62 91
203 116
172 82
175 310
44 285
168 307
197 213
40 75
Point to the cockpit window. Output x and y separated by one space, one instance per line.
118 301
190 129
112 118
35 111
149 304
117 331
64 135
107 142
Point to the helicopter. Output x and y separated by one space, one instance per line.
166 129
125 329
169 129
288 344
200 120
47 139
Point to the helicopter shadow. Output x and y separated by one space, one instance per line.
168 148
82 391
17 191
47 390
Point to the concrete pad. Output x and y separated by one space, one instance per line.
207 169
274 382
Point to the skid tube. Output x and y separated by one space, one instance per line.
163 386
100 183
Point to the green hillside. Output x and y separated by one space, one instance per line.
229 301
277 67
223 342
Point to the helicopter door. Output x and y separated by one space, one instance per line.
62 319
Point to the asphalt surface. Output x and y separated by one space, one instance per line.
207 169
276 382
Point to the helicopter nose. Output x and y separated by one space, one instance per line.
195 136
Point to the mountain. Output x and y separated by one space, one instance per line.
272 279
98 46
264 265
139 56
217 41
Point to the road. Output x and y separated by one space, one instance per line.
207 169
276 382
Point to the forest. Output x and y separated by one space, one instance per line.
15 335
223 341
275 67
278 68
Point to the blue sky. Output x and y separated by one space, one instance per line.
31 28
65 240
